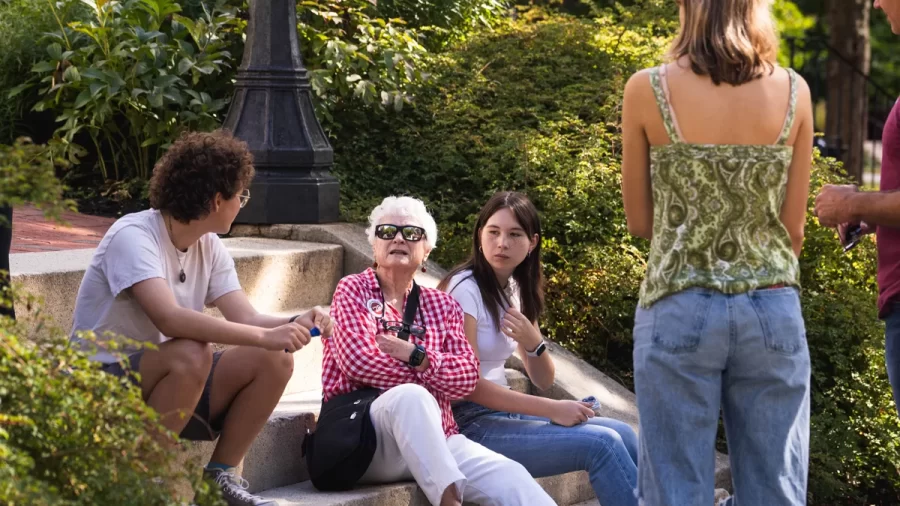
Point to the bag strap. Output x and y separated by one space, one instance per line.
409 314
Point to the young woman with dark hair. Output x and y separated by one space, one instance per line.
500 289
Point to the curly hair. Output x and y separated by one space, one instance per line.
196 167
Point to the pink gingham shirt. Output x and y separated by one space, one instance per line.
352 360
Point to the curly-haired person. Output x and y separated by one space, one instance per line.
149 280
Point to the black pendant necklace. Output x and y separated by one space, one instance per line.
181 275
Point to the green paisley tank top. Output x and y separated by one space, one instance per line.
716 211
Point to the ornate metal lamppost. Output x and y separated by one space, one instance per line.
272 111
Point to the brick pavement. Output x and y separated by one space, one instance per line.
33 233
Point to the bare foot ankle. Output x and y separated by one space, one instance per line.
450 497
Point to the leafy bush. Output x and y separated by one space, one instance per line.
71 434
535 107
21 23
125 79
28 174
354 55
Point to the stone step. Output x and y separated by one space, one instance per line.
277 275
275 458
566 489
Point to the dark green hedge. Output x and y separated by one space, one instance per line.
534 106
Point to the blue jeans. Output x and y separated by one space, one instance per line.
605 448
698 350
892 349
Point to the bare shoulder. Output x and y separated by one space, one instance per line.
639 83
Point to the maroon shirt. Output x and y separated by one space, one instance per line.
888 238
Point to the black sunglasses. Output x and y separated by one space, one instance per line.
410 233
395 326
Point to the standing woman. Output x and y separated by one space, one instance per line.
717 153
500 289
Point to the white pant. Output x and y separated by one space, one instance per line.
412 445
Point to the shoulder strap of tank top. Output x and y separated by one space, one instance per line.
659 83
791 112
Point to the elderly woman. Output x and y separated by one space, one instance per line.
416 375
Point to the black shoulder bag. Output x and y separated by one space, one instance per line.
340 450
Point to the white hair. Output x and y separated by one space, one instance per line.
407 207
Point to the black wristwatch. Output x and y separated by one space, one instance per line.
417 356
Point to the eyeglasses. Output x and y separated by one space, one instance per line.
395 326
244 196
410 233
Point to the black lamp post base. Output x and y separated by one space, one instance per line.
285 196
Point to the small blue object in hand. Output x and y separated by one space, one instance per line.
315 332
595 404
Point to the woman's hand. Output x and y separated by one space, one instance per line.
317 317
569 413
516 326
395 347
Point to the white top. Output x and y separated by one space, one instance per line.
493 346
136 248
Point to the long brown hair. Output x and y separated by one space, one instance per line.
732 41
529 274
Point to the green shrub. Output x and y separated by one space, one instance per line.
28 174
535 107
71 434
125 79
21 24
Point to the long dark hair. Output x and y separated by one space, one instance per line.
529 274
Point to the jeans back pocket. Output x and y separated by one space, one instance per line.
679 320
781 318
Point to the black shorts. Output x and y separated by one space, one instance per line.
199 427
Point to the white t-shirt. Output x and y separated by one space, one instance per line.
493 346
136 248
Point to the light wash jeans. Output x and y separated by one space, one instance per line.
605 448
699 350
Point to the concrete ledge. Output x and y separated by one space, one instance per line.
566 489
277 275
358 255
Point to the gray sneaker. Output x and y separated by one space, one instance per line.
234 489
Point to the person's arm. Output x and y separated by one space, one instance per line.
637 194
540 370
793 210
158 302
132 264
842 204
355 347
878 208
452 370
235 307
561 412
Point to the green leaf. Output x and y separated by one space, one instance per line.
55 51
184 65
43 66
71 75
15 91
95 88
83 98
